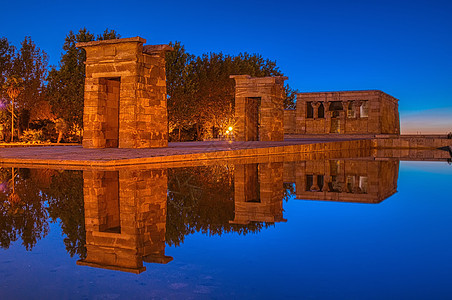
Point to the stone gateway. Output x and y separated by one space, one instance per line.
125 94
259 108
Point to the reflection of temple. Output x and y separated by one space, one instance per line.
258 193
363 181
126 210
125 219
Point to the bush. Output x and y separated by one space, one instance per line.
32 136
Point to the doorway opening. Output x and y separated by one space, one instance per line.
252 118
252 185
111 99
109 206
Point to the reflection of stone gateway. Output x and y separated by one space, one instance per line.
125 94
258 193
125 219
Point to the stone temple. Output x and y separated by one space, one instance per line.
125 103
125 94
348 112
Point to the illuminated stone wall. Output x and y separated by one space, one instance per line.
259 104
125 94
348 112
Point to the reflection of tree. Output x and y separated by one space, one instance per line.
289 191
65 198
22 212
202 199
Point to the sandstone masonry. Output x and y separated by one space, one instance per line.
349 112
125 94
259 106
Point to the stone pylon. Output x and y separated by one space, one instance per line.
259 108
125 94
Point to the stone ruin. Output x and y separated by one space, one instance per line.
347 112
259 104
125 94
125 102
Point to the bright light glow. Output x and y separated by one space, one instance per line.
227 131
229 128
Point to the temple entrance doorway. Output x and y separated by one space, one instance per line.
111 130
252 118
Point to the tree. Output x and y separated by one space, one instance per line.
23 213
66 203
13 87
66 86
201 199
200 92
179 86
108 35
290 99
65 89
30 65
6 60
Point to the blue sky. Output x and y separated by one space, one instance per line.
400 47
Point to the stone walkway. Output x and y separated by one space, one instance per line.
187 151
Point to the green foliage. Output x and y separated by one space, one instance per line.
29 197
108 35
200 92
65 198
23 77
22 211
289 191
291 95
201 199
32 136
179 86
65 89
6 62
30 65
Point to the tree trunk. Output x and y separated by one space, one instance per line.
179 133
12 121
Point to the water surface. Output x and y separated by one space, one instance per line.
317 229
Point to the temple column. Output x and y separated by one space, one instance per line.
343 116
326 105
315 107
357 108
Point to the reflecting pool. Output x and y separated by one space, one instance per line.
336 228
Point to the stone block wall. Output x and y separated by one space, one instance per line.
136 202
348 112
258 193
290 121
362 181
137 117
268 94
412 142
